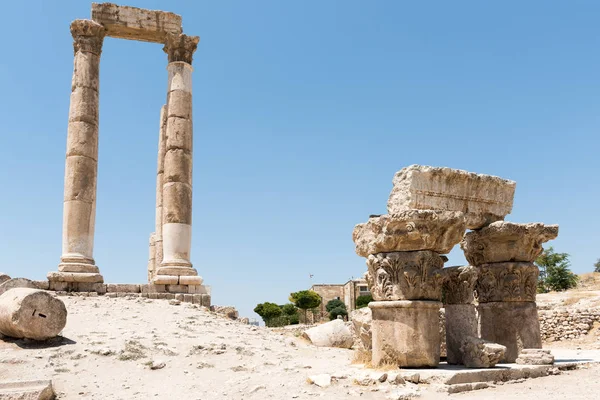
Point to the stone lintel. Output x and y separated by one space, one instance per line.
125 22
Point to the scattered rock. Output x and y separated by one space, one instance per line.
27 390
174 302
361 319
322 380
228 311
331 334
257 388
414 378
16 283
535 357
3 277
157 364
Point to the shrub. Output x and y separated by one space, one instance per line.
333 314
289 309
267 311
335 303
554 272
363 301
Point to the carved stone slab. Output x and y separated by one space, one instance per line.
410 275
411 230
459 284
483 198
507 241
508 281
133 23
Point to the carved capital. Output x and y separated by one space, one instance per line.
508 281
459 284
506 241
88 36
410 275
181 47
410 230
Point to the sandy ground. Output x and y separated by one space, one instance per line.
109 346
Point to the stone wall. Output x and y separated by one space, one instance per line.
564 324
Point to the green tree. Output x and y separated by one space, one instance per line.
363 301
554 271
335 303
289 309
333 314
597 266
268 311
305 300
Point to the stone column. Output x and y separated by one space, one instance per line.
79 211
176 267
507 281
461 315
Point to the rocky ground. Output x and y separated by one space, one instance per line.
136 348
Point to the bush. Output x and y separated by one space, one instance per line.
267 311
305 299
279 321
294 319
289 309
554 272
597 266
363 301
333 314
335 303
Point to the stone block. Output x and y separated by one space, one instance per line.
179 296
177 288
134 23
206 300
197 299
17 283
180 104
75 277
535 357
43 285
153 296
112 295
169 296
89 287
179 134
507 241
27 390
165 280
483 198
410 230
331 334
506 282
190 280
177 203
178 166
514 325
461 322
31 314
179 271
162 296
361 320
188 298
411 275
144 295
123 288
406 333
153 288
479 353
86 71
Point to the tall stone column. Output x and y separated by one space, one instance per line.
79 210
176 267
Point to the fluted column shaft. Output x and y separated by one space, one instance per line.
79 209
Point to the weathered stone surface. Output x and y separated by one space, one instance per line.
511 324
361 320
181 48
507 241
27 390
331 334
483 198
190 280
479 353
16 283
411 275
535 357
165 280
75 277
3 277
410 230
32 314
123 288
458 284
406 333
461 321
228 311
508 281
133 23
88 36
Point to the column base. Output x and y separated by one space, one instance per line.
83 277
177 280
461 321
176 270
78 267
513 324
406 333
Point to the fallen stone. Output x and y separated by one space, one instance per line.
361 320
403 394
535 357
228 311
467 387
16 283
31 314
27 390
157 364
174 302
3 277
479 353
410 230
321 380
331 334
483 198
395 378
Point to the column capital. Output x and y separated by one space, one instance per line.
181 47
88 36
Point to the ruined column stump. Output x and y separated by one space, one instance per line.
406 333
31 314
514 325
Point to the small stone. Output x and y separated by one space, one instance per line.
321 380
157 364
257 388
174 302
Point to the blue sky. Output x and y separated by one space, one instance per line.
303 112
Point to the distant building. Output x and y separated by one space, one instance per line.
347 292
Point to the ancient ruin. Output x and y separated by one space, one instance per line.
490 308
170 268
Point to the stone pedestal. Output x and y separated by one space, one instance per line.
406 333
511 324
79 210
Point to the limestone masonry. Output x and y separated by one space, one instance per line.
490 311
